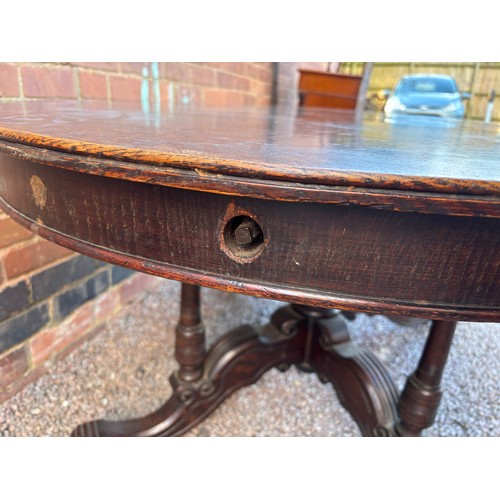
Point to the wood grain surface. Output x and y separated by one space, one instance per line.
329 147
414 231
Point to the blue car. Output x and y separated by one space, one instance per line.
429 95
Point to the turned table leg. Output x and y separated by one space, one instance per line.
190 350
421 396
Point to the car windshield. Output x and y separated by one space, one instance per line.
426 85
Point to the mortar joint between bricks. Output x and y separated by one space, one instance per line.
20 82
76 83
11 99
30 290
51 306
12 282
13 348
99 71
108 88
20 244
29 354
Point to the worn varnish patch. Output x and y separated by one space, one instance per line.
39 191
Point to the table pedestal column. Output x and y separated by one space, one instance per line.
315 340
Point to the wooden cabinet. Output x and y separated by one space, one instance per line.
328 90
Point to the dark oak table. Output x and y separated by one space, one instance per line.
331 211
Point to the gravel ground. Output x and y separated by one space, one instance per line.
123 372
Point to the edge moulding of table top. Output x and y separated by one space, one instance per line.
331 211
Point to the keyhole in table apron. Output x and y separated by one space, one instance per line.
243 238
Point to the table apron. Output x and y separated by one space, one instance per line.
351 257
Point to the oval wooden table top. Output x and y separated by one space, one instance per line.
311 146
403 216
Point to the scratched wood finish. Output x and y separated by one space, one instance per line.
465 204
314 147
355 213
357 258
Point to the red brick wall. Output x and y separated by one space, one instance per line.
51 298
204 84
